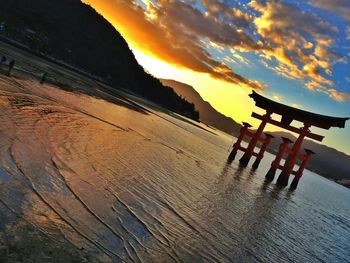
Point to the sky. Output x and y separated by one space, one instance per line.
294 52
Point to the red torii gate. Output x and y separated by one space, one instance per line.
288 114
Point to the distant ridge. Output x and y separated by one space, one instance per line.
327 161
207 113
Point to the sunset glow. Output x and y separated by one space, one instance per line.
296 53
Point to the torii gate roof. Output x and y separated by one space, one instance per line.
290 113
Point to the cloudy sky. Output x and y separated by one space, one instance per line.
296 52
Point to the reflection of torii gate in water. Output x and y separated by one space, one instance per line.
288 115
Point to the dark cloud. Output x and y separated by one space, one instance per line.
339 7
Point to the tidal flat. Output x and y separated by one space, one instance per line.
89 173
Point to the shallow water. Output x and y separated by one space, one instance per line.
82 179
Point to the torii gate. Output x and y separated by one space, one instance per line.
288 114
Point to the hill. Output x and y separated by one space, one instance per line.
327 161
73 32
207 113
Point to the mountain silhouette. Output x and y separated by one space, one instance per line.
208 114
74 33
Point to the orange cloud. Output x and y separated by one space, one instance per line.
338 96
300 43
172 32
297 41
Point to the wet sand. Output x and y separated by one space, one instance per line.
92 174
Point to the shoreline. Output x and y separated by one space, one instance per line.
105 91
93 175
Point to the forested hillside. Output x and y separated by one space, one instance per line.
73 32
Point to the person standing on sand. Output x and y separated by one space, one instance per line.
43 78
11 65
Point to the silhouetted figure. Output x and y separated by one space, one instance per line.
43 78
11 65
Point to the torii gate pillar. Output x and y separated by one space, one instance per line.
237 145
299 173
250 150
260 155
293 157
276 163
